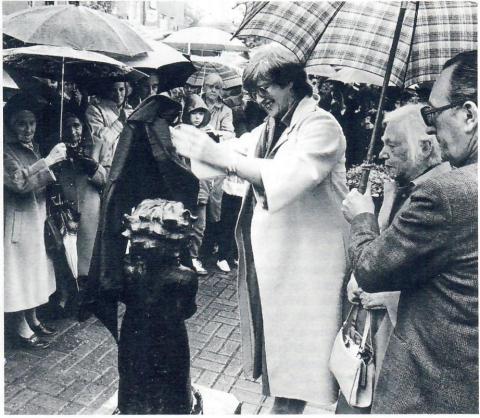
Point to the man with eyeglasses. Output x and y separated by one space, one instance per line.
430 254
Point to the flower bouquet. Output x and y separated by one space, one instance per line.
378 175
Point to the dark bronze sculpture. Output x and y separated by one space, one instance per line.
148 276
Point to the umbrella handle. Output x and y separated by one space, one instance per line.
378 119
61 99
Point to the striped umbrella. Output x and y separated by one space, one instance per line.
360 34
402 42
229 75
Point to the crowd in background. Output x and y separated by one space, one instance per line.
293 198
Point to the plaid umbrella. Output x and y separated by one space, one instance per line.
229 75
403 42
359 34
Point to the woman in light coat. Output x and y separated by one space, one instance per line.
28 272
290 232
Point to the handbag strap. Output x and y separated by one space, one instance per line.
367 331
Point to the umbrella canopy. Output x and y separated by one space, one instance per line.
352 75
204 39
74 26
50 62
230 77
359 34
8 82
171 66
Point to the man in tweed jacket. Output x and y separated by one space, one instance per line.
429 252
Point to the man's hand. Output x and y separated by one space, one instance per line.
353 291
356 203
372 300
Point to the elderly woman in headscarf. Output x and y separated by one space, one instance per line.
290 230
28 272
81 178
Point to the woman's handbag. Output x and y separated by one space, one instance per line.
352 362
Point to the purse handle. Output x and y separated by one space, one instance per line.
367 328
367 331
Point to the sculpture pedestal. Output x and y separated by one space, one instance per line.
215 402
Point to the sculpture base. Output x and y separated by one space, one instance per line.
215 402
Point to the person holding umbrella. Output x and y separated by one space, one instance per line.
29 275
430 254
290 232
81 178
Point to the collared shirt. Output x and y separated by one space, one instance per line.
221 117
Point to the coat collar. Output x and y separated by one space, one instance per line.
305 106
433 172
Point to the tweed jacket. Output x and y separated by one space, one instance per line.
429 253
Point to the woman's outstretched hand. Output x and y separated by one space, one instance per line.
196 144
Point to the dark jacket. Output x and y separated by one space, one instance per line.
145 166
430 253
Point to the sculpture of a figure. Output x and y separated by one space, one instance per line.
148 276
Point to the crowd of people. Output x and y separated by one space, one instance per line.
283 214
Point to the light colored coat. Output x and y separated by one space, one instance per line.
297 243
104 123
28 272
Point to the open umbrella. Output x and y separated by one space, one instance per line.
349 75
74 26
64 63
204 39
52 62
405 42
205 67
171 66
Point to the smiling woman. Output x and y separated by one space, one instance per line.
291 224
29 275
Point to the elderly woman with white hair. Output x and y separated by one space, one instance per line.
411 157
290 231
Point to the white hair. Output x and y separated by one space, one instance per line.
410 122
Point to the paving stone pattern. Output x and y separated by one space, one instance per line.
77 374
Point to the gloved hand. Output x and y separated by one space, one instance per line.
87 164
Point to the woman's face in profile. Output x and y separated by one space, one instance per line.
72 131
23 125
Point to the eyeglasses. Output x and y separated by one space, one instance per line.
428 112
261 91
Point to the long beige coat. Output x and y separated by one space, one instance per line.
29 278
297 243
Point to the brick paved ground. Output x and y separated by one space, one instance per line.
77 374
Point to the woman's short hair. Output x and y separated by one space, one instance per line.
278 65
412 126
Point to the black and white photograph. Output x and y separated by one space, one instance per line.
229 207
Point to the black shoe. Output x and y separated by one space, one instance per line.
33 342
42 329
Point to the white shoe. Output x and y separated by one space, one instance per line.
223 265
198 267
